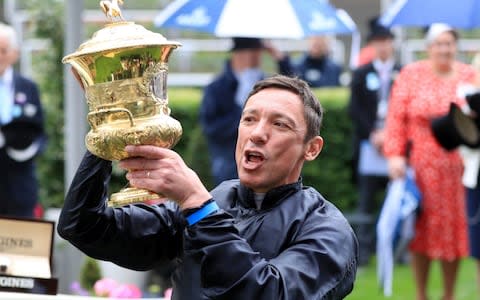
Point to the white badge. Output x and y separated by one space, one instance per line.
313 75
373 82
29 110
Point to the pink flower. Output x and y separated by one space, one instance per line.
168 294
104 287
77 289
126 291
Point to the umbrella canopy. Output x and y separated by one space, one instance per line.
459 13
256 18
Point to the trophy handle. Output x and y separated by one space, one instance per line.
93 114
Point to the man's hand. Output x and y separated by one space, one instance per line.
163 171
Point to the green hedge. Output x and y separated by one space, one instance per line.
331 172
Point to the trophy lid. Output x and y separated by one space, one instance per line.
119 35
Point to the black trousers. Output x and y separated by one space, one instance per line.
370 189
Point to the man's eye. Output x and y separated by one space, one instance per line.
280 124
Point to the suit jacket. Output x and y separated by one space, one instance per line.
22 140
364 98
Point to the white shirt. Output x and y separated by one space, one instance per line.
246 81
6 100
384 70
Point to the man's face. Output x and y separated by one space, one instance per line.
384 48
248 59
270 146
8 55
319 46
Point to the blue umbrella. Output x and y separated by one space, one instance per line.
459 13
256 18
395 226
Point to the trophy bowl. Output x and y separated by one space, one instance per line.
123 69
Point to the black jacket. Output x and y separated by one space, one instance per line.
364 100
297 246
363 105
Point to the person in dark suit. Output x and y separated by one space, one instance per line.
22 135
316 66
370 89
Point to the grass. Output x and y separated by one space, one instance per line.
366 287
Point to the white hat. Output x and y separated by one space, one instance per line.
437 29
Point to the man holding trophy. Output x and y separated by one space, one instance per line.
262 236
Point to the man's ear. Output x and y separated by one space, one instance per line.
313 148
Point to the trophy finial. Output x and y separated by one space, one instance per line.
111 8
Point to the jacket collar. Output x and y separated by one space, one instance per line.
246 195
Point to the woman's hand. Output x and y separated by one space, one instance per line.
376 139
397 167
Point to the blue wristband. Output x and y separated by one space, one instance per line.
202 213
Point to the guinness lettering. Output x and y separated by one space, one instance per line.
11 242
15 282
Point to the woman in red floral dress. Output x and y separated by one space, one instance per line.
424 90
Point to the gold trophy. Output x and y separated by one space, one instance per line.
123 69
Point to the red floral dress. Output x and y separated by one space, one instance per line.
419 95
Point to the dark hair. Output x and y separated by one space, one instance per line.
313 111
